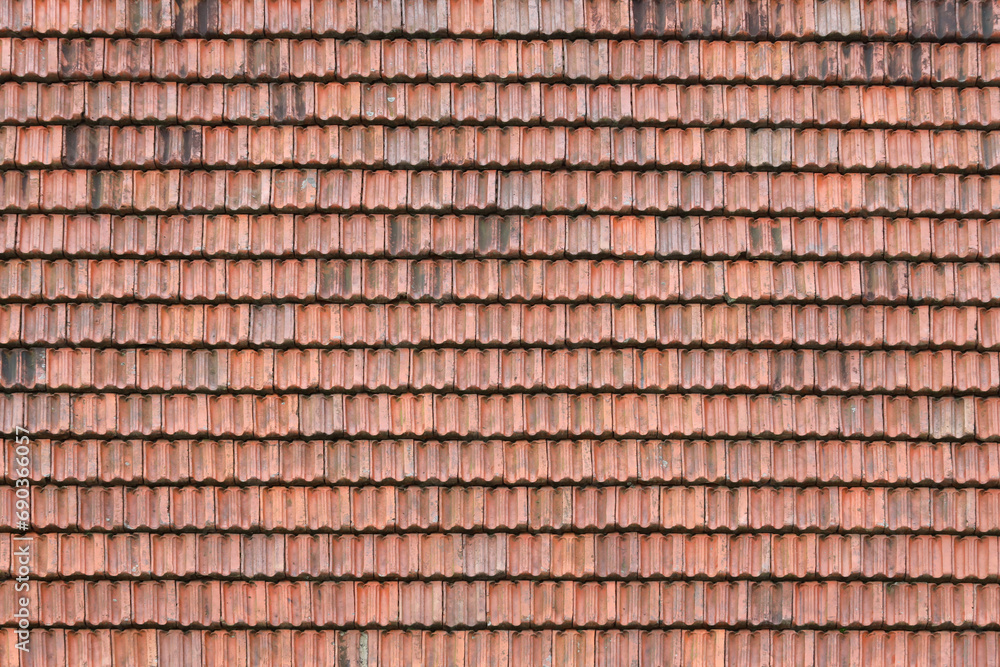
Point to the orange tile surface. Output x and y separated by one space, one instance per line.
502 332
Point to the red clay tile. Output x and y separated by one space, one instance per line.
864 326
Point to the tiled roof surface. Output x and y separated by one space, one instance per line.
502 332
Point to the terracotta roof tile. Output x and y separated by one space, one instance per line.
514 332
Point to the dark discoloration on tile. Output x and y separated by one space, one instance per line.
23 368
79 58
109 189
498 235
336 279
196 18
757 17
864 63
289 103
976 19
934 19
264 59
86 146
654 17
130 58
178 146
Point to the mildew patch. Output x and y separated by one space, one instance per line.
650 17
196 18
22 368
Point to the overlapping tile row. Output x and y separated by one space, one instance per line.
876 20
476 370
507 648
515 415
626 559
245 464
493 103
149 147
513 332
402 236
308 326
466 282
580 60
83 235
522 605
562 191
514 508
